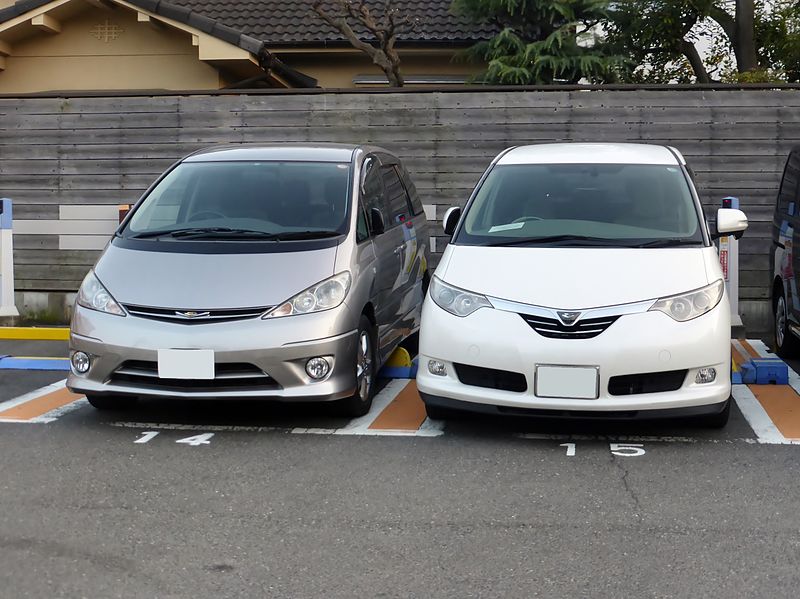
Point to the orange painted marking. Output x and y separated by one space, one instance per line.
405 413
737 356
40 406
782 404
749 348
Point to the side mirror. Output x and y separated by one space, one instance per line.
377 226
730 221
450 220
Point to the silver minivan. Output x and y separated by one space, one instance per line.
283 272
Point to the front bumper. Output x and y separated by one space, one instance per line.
648 342
277 348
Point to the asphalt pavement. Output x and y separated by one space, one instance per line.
216 499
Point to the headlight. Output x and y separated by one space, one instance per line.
328 294
692 304
94 296
454 300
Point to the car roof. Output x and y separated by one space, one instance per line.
278 152
592 153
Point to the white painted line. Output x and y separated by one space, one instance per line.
360 426
430 211
433 244
432 428
757 417
11 403
198 427
59 412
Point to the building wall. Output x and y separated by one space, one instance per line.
336 69
60 153
141 57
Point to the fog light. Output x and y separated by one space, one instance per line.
436 367
80 362
318 368
705 375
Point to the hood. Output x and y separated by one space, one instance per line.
210 281
575 278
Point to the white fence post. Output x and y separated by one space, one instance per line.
7 307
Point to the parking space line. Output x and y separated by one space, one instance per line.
756 416
749 348
406 412
782 404
38 406
738 358
35 333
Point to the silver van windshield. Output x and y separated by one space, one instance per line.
622 205
266 199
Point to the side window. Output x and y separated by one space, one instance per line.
396 197
373 190
414 201
789 193
362 230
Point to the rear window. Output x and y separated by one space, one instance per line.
630 204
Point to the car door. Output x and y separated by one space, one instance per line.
388 246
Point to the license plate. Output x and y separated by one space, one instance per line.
567 382
186 364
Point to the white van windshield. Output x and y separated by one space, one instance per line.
630 205
258 200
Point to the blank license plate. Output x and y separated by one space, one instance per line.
568 382
186 364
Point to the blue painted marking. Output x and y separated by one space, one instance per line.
5 214
57 364
399 372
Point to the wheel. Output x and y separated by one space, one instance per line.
360 402
786 344
110 402
719 420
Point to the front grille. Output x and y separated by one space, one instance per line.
202 316
649 382
491 378
227 376
555 329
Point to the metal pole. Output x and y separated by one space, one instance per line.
7 307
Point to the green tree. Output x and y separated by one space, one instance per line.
761 37
541 41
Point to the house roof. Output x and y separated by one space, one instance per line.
251 23
293 22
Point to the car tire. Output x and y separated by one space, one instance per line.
786 344
719 420
360 402
110 402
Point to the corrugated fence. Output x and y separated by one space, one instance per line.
67 162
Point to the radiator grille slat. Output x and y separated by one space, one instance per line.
555 329
203 316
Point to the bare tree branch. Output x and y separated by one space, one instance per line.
385 32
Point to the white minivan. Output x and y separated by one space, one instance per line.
581 280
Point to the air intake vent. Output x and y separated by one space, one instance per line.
555 329
491 378
648 382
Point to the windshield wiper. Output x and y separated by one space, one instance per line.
230 233
556 239
666 243
298 235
